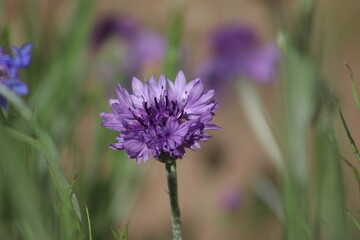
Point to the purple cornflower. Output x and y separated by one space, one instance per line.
237 52
10 63
143 48
161 118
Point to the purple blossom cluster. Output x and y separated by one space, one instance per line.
161 118
10 63
142 46
237 52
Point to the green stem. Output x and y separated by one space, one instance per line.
170 165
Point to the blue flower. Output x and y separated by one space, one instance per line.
10 63
22 56
161 117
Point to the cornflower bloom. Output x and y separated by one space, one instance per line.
236 53
10 63
161 119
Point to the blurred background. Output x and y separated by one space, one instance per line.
233 188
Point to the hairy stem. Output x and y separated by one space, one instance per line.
170 165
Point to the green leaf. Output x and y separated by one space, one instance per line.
16 101
89 223
26 139
353 86
348 134
43 143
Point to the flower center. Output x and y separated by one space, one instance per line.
158 112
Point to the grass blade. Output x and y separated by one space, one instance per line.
348 134
89 223
47 146
353 86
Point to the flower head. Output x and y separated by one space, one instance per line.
161 117
237 52
10 63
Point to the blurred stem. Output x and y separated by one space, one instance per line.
336 182
256 116
5 37
173 55
296 226
299 78
170 165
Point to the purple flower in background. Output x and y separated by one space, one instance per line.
237 52
161 117
231 200
10 63
107 27
142 47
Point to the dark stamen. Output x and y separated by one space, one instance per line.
173 106
147 109
156 103
141 122
166 101
137 118
152 121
